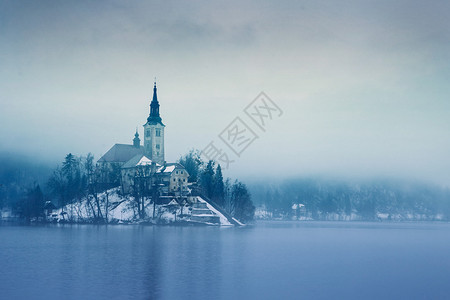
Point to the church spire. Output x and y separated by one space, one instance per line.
136 140
154 108
155 97
154 132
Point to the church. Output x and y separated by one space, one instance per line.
147 162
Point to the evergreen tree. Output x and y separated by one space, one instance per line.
243 208
57 186
192 162
72 177
70 181
227 196
207 179
92 182
219 188
69 166
33 204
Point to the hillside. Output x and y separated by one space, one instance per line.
121 209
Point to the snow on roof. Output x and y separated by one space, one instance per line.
173 202
169 169
144 161
138 160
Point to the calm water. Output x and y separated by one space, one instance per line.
267 261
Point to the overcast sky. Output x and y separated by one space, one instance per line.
363 85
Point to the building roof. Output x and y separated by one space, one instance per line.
121 153
138 160
154 117
170 167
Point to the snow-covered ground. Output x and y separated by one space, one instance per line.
122 209
223 220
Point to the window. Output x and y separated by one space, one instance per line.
158 132
157 146
147 133
184 179
176 172
174 180
181 172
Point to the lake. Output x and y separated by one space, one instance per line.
271 260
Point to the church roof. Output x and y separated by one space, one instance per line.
138 160
121 153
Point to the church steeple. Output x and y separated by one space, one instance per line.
136 140
154 108
154 132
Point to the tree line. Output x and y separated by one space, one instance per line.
21 184
365 200
26 187
79 178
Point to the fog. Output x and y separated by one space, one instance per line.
363 86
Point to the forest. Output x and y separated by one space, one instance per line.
331 199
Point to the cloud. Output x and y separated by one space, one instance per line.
364 84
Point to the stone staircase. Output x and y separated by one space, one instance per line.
202 214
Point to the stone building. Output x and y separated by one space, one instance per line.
146 163
174 177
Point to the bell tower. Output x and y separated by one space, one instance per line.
154 132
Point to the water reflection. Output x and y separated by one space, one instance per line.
271 260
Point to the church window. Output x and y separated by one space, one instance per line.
158 132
